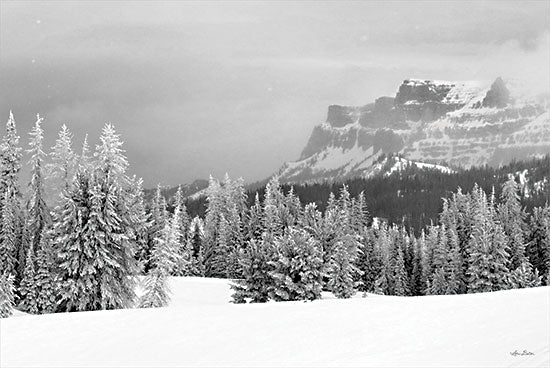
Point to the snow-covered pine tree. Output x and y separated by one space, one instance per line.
430 243
164 259
400 280
524 277
342 272
46 281
10 165
538 247
382 245
8 233
212 228
488 255
63 161
294 209
194 240
360 216
184 222
512 218
255 221
257 282
180 255
369 260
38 214
140 222
77 256
7 295
297 268
10 159
157 293
416 285
29 295
110 221
273 202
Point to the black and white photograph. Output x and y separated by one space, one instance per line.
274 183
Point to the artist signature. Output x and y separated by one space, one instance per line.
521 353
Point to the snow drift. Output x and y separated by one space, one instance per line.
201 328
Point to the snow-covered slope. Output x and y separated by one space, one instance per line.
200 328
460 124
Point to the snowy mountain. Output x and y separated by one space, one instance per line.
454 124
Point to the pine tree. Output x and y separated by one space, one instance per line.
165 258
10 159
156 291
538 247
297 265
257 282
524 277
63 160
342 271
195 240
7 295
512 217
38 214
78 259
360 217
8 233
273 202
369 260
45 280
400 282
254 223
140 221
28 291
488 255
111 221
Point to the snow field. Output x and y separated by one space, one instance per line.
201 328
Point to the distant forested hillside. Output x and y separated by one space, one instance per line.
412 197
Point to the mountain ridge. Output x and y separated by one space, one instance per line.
456 124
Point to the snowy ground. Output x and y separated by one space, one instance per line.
200 328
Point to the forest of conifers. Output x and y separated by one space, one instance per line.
88 246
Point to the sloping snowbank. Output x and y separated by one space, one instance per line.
201 328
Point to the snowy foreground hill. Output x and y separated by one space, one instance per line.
201 328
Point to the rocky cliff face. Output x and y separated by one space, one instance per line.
459 124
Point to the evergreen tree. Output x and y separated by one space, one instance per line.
63 160
512 217
369 260
165 258
257 282
8 233
10 159
38 214
273 202
488 254
400 282
156 293
28 290
78 259
254 224
195 239
297 266
45 280
524 277
342 271
7 295
140 223
538 248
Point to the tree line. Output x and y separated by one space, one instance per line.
87 249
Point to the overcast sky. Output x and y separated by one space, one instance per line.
199 88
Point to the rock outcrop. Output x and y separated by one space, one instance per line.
459 124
